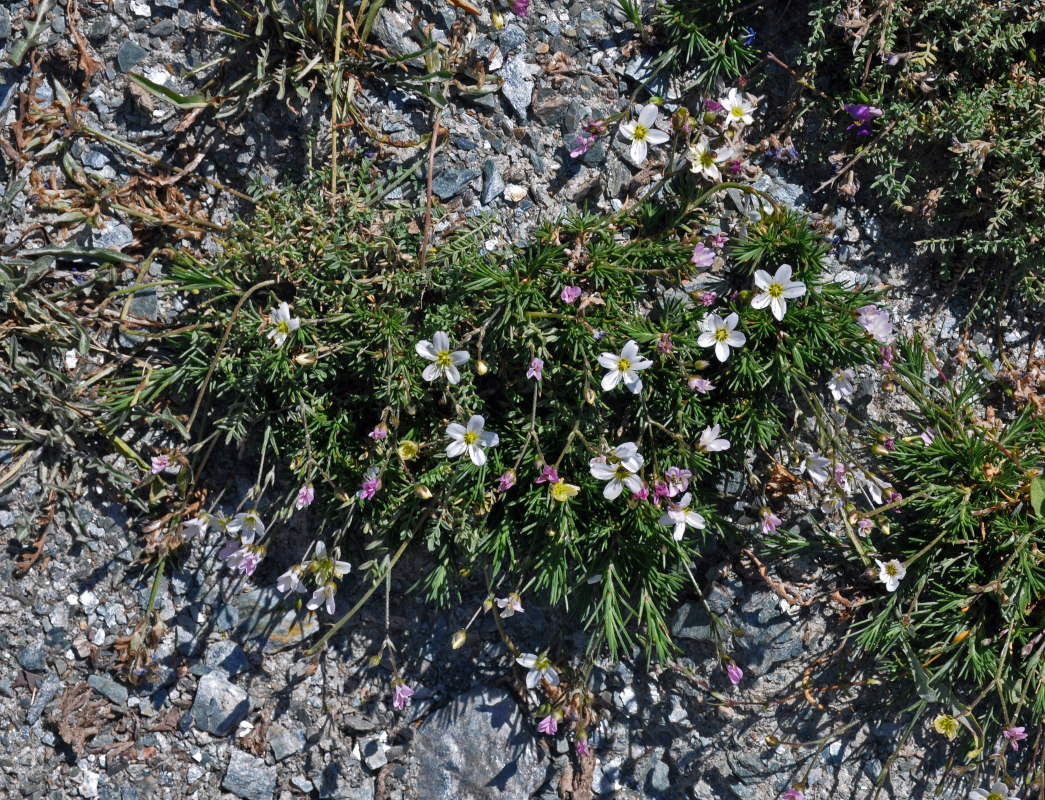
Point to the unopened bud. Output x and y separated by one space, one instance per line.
305 359
884 528
497 18
423 492
375 660
487 604
481 367
772 741
589 396
680 119
458 639
879 450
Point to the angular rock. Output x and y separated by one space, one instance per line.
392 31
518 83
33 657
344 781
264 620
477 748
219 706
249 778
550 106
226 656
109 688
493 183
771 636
129 55
285 742
44 695
452 182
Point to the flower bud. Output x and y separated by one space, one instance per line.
589 396
481 367
680 120
700 364
879 450
423 492
498 19
458 639
772 741
709 117
375 660
487 604
408 449
305 359
884 528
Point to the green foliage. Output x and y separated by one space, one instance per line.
961 138
366 300
967 618
707 37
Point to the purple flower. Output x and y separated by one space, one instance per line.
582 746
1014 736
677 480
641 494
712 105
927 436
770 521
549 725
594 128
702 256
664 344
736 167
734 672
506 481
888 442
584 143
701 385
370 485
718 241
401 695
570 293
306 494
520 7
707 299
548 475
886 352
660 489
535 369
792 794
379 432
159 464
750 36
864 115
864 526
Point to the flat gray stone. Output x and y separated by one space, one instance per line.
226 656
477 748
108 688
285 742
265 621
33 657
518 83
219 706
129 55
493 183
451 182
248 777
46 692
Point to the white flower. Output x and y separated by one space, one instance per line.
324 595
327 567
510 604
680 516
195 527
247 524
890 573
619 467
643 131
998 791
624 367
290 581
284 324
738 108
876 322
776 290
471 440
444 363
709 441
721 333
705 161
841 384
816 465
540 667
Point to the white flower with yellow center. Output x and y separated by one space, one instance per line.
624 367
890 573
283 324
721 333
679 515
710 442
738 108
998 791
444 362
472 440
620 467
642 132
775 291
704 161
540 668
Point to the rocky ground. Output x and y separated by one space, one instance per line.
234 708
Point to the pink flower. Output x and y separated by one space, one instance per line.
548 475
306 494
889 442
660 489
159 464
701 385
677 480
520 7
702 256
506 481
736 167
664 344
379 432
401 696
865 526
570 294
734 672
707 299
584 144
641 494
770 521
594 128
1014 736
535 369
582 746
887 354
927 436
370 485
712 105
549 725
718 241
792 794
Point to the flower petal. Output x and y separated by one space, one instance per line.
432 371
453 376
612 490
721 351
455 430
783 273
736 339
760 300
454 449
638 151
653 136
610 380
441 342
648 115
762 279
425 350
477 454
459 357
476 423
608 360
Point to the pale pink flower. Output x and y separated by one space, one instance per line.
735 673
702 256
582 746
710 442
292 580
719 240
677 480
535 369
506 481
549 725
876 322
306 494
707 299
510 605
159 464
701 385
664 344
380 432
548 475
1015 736
324 595
401 695
584 143
570 293
371 484
770 521
792 794
928 436
887 354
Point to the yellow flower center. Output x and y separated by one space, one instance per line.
623 365
737 111
706 159
775 290
283 327
891 570
995 796
442 358
640 133
471 437
621 473
721 335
